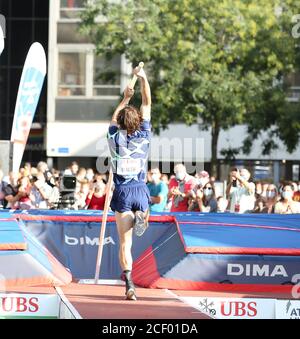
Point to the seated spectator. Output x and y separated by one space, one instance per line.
40 192
158 191
287 205
241 192
96 197
204 200
180 188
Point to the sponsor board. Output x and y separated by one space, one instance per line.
234 308
287 309
14 305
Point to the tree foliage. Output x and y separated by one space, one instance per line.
222 61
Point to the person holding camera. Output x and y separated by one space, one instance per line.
240 192
96 197
180 188
40 192
204 199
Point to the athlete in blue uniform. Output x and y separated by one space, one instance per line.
129 139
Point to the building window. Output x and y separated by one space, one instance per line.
70 9
292 82
107 75
72 74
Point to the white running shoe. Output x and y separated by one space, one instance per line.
140 224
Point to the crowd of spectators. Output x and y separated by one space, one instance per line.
40 188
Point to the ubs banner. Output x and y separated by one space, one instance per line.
75 245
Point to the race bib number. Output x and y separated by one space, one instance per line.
128 167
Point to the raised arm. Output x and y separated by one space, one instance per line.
128 93
146 93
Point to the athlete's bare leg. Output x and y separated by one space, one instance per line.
124 224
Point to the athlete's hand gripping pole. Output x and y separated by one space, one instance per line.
107 202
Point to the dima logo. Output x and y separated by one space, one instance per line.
72 241
256 270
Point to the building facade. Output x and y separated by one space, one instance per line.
27 21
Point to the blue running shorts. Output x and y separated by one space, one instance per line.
130 197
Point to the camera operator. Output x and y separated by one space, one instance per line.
240 192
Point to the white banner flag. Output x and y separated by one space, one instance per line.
30 87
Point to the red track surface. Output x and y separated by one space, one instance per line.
107 302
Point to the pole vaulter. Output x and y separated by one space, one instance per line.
129 140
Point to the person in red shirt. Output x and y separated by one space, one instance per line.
180 188
96 197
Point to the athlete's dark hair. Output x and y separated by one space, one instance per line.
130 119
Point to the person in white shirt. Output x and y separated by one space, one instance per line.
241 192
40 192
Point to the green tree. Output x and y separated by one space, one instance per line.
220 62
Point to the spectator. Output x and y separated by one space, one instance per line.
202 178
296 196
287 205
80 197
180 188
272 198
241 192
258 189
81 176
40 192
55 196
1 190
42 167
204 200
24 194
90 174
165 178
222 204
267 204
11 190
96 197
265 186
158 191
74 168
